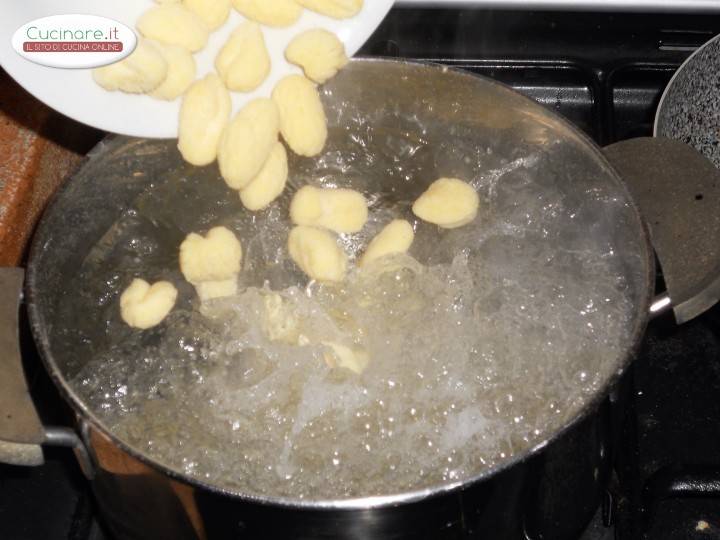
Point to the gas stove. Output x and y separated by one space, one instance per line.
605 72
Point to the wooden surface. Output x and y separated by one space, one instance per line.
38 149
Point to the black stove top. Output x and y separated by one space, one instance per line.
605 73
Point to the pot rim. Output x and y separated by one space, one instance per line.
641 318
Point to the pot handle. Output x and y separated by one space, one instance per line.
677 191
22 433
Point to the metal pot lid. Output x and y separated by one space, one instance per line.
689 109
686 230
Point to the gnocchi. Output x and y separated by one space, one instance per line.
269 183
180 73
142 71
338 9
318 52
243 63
340 210
302 119
317 254
211 263
143 305
247 142
353 358
204 112
278 13
213 13
396 237
174 24
448 203
207 290
280 323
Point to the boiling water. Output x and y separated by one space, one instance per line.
482 341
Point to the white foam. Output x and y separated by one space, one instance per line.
463 373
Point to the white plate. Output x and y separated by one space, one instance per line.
74 93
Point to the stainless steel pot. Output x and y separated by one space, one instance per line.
141 498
